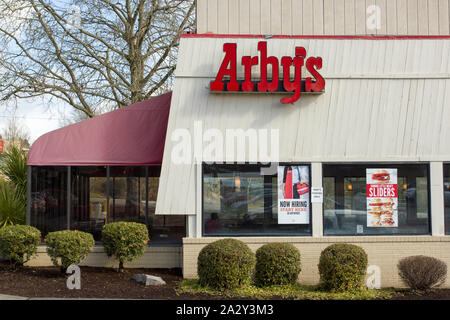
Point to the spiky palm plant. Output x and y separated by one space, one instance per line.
12 206
13 165
13 192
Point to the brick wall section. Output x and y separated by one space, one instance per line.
384 252
154 257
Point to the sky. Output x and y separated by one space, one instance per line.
35 115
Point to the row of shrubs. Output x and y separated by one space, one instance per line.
229 264
223 264
125 241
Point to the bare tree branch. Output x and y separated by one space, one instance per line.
93 54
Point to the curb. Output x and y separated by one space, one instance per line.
10 297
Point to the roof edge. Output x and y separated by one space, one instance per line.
328 37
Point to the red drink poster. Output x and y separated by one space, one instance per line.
382 198
293 194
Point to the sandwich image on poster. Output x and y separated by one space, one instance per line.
293 195
382 198
381 212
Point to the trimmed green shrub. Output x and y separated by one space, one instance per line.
19 243
225 264
342 267
277 264
126 241
422 272
68 247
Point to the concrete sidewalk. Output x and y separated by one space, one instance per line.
9 297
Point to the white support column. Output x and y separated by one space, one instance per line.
194 229
437 198
191 226
199 198
317 208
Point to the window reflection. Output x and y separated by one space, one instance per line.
133 192
89 200
238 200
447 197
48 203
127 198
345 206
162 229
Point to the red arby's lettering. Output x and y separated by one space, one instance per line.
269 83
296 86
264 85
230 59
319 85
248 62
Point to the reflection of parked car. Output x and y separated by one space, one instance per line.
37 200
335 218
410 192
246 201
41 200
234 200
50 199
359 199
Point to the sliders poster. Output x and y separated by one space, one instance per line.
293 194
382 197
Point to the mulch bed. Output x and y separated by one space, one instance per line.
434 294
45 282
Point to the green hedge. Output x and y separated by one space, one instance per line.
18 243
277 264
68 247
126 241
225 264
342 267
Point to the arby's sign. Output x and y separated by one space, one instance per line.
226 79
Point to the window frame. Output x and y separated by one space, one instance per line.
254 235
149 172
444 164
382 163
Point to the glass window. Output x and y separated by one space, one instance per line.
239 201
349 211
128 203
447 197
88 212
163 229
133 192
127 195
48 205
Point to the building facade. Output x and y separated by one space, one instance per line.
300 121
384 108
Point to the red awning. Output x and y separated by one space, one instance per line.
132 135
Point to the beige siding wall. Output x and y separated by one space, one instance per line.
322 17
384 252
379 92
154 257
